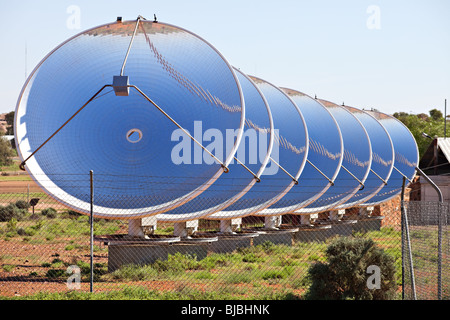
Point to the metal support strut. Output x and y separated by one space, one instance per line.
378 176
258 179
22 165
131 42
285 171
225 169
360 182
323 174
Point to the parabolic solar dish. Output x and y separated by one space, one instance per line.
406 158
245 170
121 134
158 115
382 159
324 157
355 165
287 158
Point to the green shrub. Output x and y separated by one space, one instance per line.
8 267
11 211
215 260
273 274
56 273
252 257
49 213
178 262
245 276
22 204
29 231
345 275
277 273
12 225
73 214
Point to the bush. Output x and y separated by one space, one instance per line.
177 263
49 213
252 257
56 273
344 275
11 211
73 214
22 204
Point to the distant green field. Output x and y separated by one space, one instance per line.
15 178
19 195
12 167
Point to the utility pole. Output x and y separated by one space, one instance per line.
445 118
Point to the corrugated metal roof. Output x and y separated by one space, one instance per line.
444 145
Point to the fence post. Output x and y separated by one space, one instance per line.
440 210
440 218
91 221
405 220
402 223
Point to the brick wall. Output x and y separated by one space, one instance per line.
391 211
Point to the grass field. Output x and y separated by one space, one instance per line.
36 252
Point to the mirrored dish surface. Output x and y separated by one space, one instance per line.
128 143
252 157
382 159
287 158
325 156
406 157
355 165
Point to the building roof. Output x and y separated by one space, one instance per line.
435 163
444 146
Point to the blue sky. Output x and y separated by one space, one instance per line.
389 55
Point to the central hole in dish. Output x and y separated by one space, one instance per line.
134 135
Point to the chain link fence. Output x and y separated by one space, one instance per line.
46 248
426 250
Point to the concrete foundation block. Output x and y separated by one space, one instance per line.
368 224
143 254
312 234
229 244
276 237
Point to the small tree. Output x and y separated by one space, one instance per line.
436 115
6 152
9 117
345 275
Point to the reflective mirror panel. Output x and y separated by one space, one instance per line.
143 163
287 159
382 158
355 165
324 156
406 157
252 157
